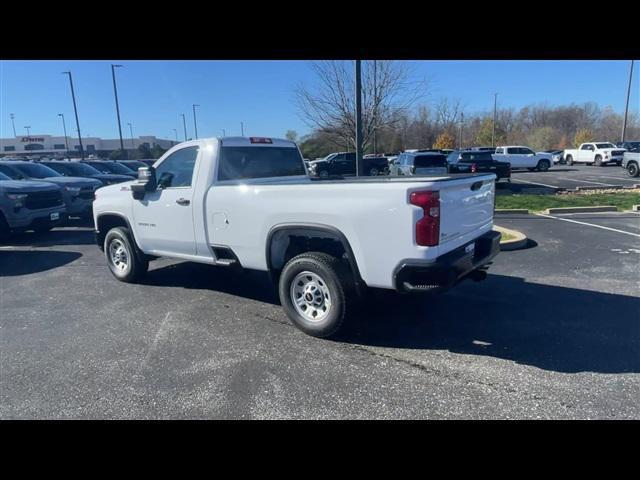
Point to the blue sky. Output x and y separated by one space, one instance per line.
153 94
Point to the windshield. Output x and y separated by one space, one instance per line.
423 161
73 168
259 162
111 167
35 170
605 145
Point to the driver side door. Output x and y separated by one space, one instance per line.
164 217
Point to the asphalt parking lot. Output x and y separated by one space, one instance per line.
554 332
567 177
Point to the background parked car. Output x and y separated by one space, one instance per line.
110 166
344 163
26 205
556 155
133 164
77 192
415 163
79 169
631 163
631 146
461 161
523 157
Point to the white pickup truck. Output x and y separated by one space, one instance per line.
523 157
249 202
597 153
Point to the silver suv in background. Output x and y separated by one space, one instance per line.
77 193
417 163
26 205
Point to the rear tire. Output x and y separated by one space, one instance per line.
569 160
4 228
632 169
373 172
313 291
324 174
124 259
543 165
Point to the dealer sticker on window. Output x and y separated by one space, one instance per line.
470 248
55 216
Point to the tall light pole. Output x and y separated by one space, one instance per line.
195 122
241 129
75 109
375 108
12 116
224 133
27 129
131 130
626 108
64 127
359 164
115 93
495 112
184 124
461 123
175 130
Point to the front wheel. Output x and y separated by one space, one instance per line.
125 262
543 165
324 174
312 291
633 170
598 161
373 172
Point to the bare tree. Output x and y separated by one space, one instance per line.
329 108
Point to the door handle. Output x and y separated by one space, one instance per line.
183 201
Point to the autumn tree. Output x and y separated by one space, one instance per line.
445 140
584 135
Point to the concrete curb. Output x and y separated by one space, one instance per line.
607 208
611 187
516 244
511 210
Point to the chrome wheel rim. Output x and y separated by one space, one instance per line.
310 296
118 255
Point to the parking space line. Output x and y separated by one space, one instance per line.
587 181
617 178
588 224
534 183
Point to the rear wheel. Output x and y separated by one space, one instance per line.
569 160
324 174
543 165
313 291
126 263
632 169
373 172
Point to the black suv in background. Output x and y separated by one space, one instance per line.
110 166
79 169
344 163
630 146
478 161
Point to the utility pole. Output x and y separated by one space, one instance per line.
175 130
131 130
27 129
461 123
195 123
241 129
115 93
224 133
626 108
495 112
12 116
359 163
375 109
75 109
64 127
184 124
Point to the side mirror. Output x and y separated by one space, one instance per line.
146 182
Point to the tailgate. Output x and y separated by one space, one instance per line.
466 205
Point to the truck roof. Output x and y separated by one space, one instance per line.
255 142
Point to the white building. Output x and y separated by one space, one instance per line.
48 144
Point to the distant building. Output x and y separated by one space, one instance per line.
48 144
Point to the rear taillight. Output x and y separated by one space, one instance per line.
428 227
474 168
260 140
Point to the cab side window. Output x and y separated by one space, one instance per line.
177 169
586 147
499 151
513 151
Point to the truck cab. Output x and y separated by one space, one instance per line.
523 157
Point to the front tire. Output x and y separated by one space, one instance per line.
126 263
373 172
313 291
598 161
633 170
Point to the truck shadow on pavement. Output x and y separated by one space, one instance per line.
553 328
524 189
50 239
14 263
